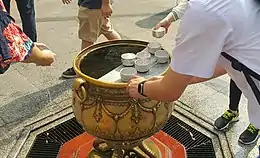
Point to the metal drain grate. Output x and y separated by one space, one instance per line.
197 144
47 144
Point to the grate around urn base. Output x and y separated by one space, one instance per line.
49 143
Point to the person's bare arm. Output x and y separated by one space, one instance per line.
170 86
174 15
219 71
167 88
105 2
106 8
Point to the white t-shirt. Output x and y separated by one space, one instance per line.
209 27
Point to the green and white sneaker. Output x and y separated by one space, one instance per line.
223 121
250 135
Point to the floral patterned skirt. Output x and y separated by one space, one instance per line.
15 46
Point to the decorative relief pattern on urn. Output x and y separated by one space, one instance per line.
109 113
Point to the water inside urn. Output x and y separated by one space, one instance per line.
101 61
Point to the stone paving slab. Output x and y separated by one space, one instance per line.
217 84
213 106
14 85
254 152
5 149
31 104
2 122
195 94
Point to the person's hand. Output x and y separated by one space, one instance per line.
46 58
106 10
66 1
41 46
132 87
166 23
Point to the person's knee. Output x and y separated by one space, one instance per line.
112 35
85 44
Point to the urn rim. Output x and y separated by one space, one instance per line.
77 60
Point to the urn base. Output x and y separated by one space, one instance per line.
158 146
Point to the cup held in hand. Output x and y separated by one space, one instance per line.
158 33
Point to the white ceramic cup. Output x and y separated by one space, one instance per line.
142 65
162 56
153 47
128 59
143 55
127 73
159 33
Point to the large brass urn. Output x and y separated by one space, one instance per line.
105 110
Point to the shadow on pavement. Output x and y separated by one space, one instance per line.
75 18
29 105
151 21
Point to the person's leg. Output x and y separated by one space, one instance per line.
251 134
27 14
7 5
85 44
108 31
234 96
113 35
90 23
230 115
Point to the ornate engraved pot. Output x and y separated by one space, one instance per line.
104 109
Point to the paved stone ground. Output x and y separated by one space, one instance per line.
27 90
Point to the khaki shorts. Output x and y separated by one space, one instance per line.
92 24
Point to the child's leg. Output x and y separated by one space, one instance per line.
90 22
85 44
108 31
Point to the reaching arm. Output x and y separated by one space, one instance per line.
105 2
106 8
174 15
170 86
179 10
200 40
219 71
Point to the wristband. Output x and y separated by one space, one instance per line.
141 88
